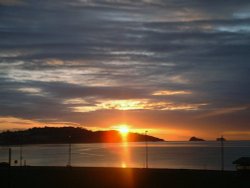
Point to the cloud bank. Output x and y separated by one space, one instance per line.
166 64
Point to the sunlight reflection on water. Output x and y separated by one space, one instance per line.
190 155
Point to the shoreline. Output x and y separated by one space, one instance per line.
110 177
165 141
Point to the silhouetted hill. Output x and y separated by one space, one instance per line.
52 135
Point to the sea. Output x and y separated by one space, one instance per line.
210 155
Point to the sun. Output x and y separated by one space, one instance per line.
123 129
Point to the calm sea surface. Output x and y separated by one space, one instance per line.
188 155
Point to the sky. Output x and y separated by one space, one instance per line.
177 68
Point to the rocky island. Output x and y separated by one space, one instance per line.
196 139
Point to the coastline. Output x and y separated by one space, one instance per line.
174 155
66 177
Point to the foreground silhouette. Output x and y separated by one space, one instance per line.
63 177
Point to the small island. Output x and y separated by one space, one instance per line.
62 135
196 139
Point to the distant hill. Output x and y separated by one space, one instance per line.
196 139
54 135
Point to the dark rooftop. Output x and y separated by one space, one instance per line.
242 161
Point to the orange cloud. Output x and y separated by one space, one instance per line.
7 123
136 104
10 123
171 92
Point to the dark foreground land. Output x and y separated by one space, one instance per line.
62 177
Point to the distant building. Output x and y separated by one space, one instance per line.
242 163
220 139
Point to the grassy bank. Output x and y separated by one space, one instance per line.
62 177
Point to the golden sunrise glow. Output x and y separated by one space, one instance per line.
171 92
124 104
123 129
124 165
138 104
112 104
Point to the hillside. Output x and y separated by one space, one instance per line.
52 135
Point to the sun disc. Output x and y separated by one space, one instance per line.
123 129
